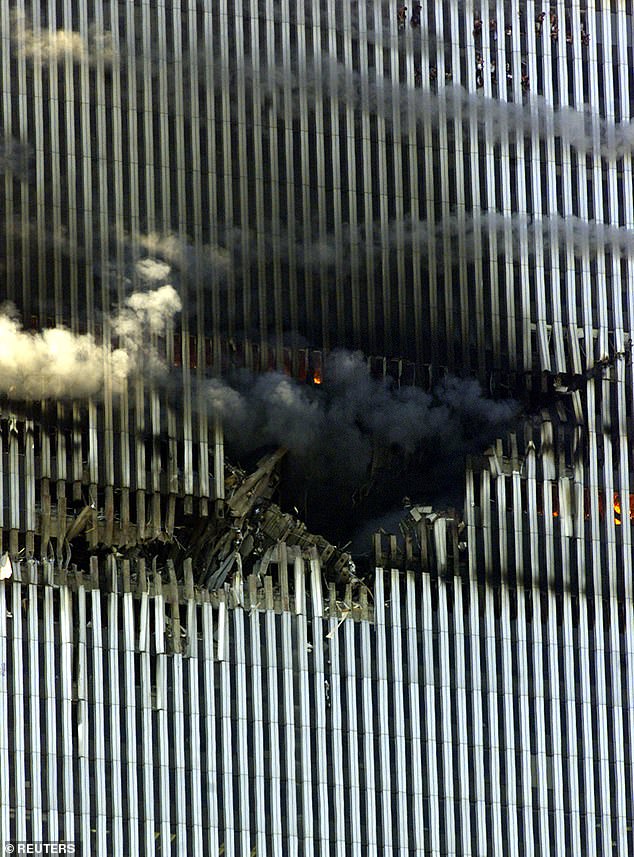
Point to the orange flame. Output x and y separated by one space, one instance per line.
317 376
617 510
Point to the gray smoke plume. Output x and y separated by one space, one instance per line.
15 157
184 257
518 235
334 433
56 363
239 248
467 231
305 83
525 233
299 83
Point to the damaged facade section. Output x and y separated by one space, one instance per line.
46 518
252 527
427 541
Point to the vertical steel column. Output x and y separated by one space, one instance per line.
353 740
53 721
115 809
133 741
5 707
429 707
240 744
19 715
68 746
273 719
96 714
194 719
81 699
336 716
257 716
211 780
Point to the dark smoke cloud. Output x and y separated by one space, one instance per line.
354 429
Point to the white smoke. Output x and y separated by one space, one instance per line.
152 270
51 46
56 363
183 255
147 312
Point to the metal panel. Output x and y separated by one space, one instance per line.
118 146
19 699
240 748
369 794
80 687
523 674
381 691
5 703
353 740
273 728
34 696
53 742
97 713
258 716
211 781
194 718
397 691
115 808
133 741
429 707
66 710
336 716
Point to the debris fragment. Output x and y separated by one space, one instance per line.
6 569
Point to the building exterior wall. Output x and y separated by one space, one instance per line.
451 717
314 173
301 139
311 175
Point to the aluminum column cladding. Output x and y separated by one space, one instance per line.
442 717
294 163
454 188
449 184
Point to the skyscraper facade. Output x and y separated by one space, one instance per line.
189 188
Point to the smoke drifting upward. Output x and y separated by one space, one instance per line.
56 363
52 45
340 435
185 257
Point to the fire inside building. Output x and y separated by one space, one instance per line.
316 406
